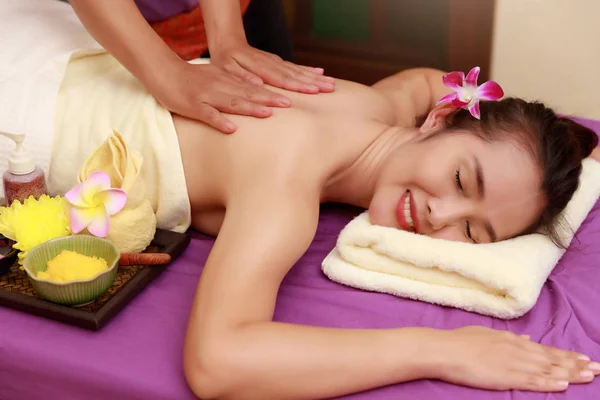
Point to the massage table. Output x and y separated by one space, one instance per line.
138 354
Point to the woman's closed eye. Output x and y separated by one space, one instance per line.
468 231
458 181
460 187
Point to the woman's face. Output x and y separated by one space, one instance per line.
456 186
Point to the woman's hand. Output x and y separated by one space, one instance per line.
258 67
498 360
203 91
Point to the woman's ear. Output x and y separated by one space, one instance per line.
437 118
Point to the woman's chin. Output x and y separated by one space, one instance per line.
381 217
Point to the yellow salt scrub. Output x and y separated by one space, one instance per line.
72 266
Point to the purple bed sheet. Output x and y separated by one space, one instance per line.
138 354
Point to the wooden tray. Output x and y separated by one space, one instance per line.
16 291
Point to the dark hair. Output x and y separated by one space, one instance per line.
558 143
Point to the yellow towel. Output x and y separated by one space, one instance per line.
133 228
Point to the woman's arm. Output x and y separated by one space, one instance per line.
413 93
232 347
233 350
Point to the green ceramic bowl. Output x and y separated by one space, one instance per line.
72 293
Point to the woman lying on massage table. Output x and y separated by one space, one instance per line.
464 179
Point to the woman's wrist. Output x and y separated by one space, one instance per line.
426 348
440 355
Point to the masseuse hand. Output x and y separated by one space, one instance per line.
234 84
258 67
203 91
230 51
498 360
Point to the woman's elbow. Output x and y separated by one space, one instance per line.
205 373
213 371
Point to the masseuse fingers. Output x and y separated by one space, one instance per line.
316 70
314 75
292 77
236 70
252 92
233 104
260 95
271 73
289 79
325 83
312 70
276 72
214 118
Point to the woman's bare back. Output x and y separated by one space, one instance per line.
319 134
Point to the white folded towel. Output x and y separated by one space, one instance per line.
502 279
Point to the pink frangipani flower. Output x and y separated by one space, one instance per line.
93 202
466 92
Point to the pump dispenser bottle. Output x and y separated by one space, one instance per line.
23 178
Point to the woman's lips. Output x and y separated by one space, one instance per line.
400 213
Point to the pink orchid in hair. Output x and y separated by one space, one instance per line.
466 92
93 201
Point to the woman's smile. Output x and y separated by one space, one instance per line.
406 213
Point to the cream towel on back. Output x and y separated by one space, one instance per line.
501 279
99 96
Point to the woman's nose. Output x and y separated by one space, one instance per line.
445 212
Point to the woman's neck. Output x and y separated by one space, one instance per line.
355 185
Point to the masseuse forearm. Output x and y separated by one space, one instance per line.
121 29
276 360
223 22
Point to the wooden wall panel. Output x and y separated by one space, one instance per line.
444 34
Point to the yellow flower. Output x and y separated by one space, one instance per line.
34 222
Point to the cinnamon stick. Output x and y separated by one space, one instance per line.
144 259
